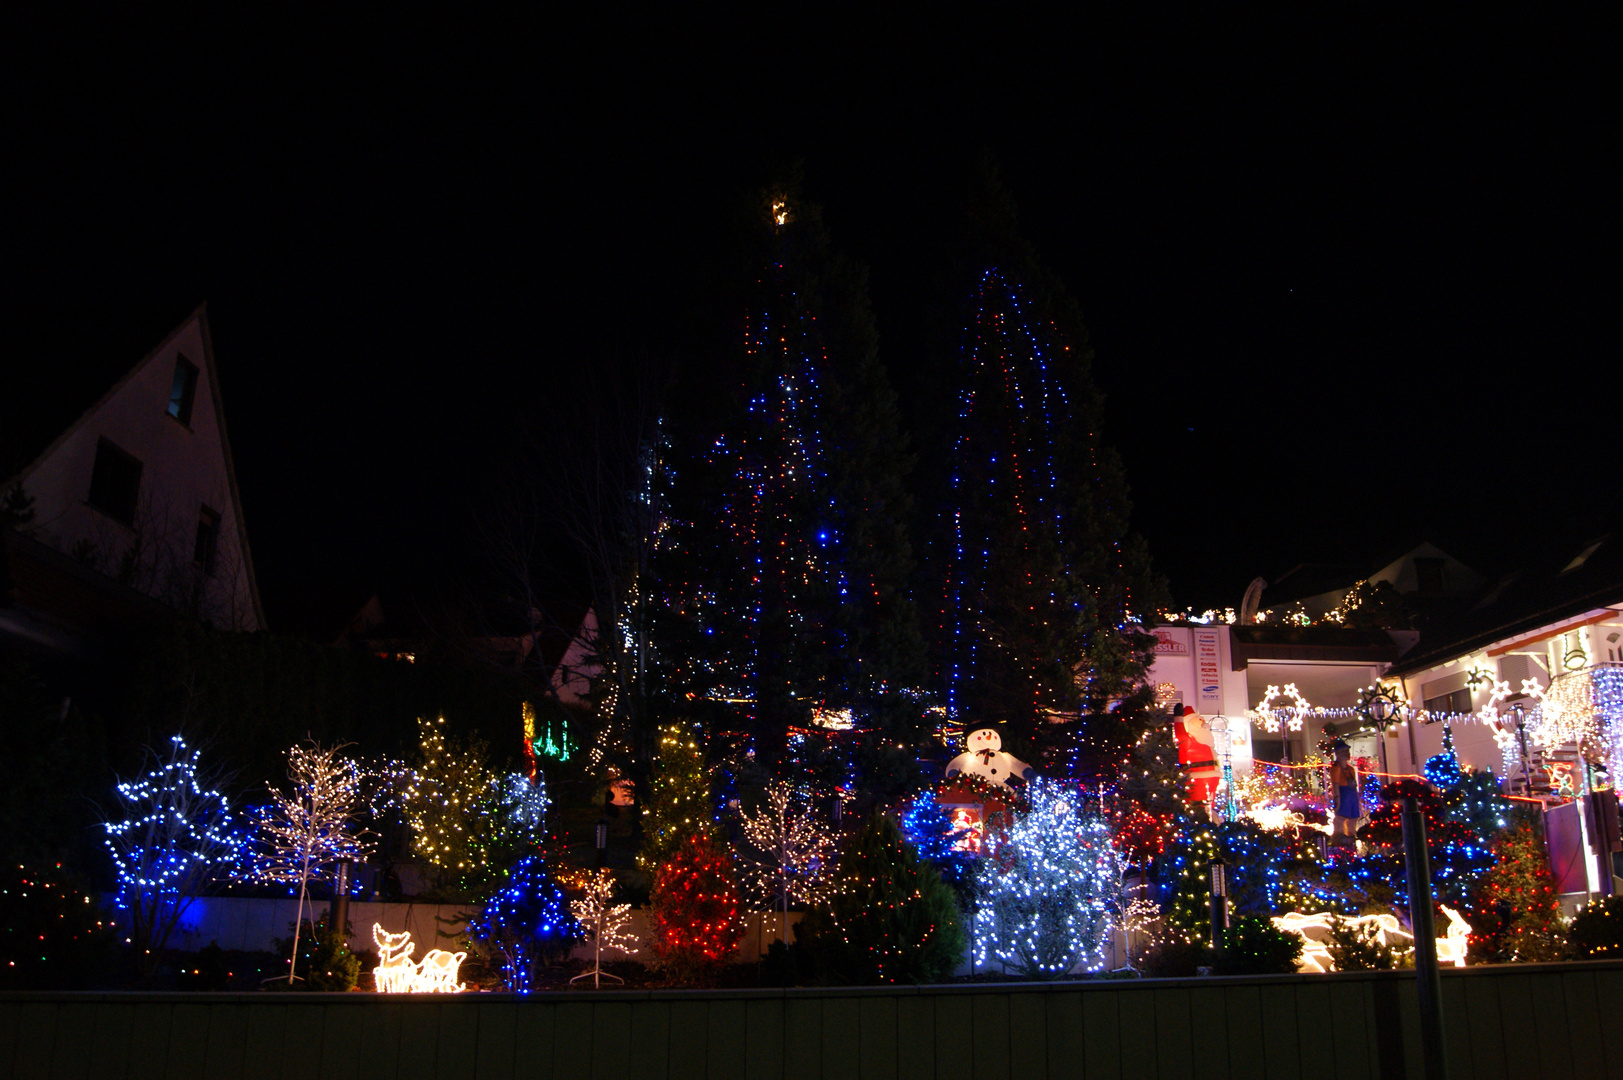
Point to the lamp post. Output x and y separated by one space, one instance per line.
1220 901
1379 707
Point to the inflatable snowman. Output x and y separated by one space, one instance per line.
985 758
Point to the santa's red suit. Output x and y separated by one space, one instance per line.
1196 755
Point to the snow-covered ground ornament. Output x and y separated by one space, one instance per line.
985 758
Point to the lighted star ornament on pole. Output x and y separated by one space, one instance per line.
1380 707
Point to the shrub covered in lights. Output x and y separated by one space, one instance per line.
1045 888
1597 930
1517 915
892 918
696 922
678 802
525 920
1255 946
934 837
454 804
1459 854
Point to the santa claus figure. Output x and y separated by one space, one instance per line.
985 758
1197 755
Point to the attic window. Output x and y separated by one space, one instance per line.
1429 575
182 390
208 538
115 483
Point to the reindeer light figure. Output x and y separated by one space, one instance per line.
396 974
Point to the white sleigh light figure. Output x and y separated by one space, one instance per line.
985 758
396 974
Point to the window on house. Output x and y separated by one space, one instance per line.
115 483
182 390
1457 702
1429 575
208 538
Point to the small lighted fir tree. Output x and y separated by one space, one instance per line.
1458 853
525 918
1517 917
1185 875
603 923
1046 888
788 856
452 806
307 831
894 919
930 829
175 836
696 924
678 803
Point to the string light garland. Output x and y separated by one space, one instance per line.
1046 888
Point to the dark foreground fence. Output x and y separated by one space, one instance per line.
1508 1023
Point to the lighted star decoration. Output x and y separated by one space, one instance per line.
1293 713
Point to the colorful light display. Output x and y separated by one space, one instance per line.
436 973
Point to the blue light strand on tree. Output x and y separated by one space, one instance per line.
525 917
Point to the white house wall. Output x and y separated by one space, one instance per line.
184 468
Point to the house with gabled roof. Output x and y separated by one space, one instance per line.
131 510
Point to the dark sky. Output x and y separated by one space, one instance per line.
1350 282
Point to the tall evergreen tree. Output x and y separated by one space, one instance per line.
1041 583
789 570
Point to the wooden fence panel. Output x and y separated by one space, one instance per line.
35 1039
876 1042
1509 1023
916 1038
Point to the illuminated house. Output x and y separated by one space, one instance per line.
1525 673
1529 681
129 512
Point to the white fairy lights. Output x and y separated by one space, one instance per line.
308 831
437 973
1046 887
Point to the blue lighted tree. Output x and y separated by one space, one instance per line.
526 917
174 837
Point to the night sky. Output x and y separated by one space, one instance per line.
1350 283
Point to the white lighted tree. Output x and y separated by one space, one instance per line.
789 855
1046 887
606 924
307 831
175 836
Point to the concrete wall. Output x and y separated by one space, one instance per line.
1507 1023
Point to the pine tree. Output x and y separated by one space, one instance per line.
1186 880
933 835
894 919
787 575
524 918
678 802
1458 855
1517 915
694 902
1041 581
